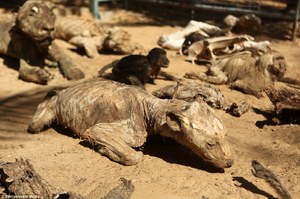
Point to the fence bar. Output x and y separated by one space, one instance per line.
295 26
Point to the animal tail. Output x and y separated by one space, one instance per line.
111 65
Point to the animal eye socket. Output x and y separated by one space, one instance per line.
210 145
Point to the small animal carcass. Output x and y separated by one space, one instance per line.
138 69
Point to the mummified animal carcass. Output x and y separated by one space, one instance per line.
175 40
246 73
121 117
285 98
188 89
28 37
286 101
216 48
92 37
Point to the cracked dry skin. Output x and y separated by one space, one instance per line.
92 37
29 37
189 89
122 116
245 73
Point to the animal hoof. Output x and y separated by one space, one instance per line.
134 159
74 74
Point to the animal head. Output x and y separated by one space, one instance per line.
189 40
118 41
196 126
36 20
274 63
158 58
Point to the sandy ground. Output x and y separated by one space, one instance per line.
168 171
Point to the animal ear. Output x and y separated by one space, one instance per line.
173 121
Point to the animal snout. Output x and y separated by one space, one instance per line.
229 163
48 28
165 63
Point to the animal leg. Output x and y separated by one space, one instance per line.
88 43
111 144
43 116
216 76
67 67
246 88
135 81
33 74
69 70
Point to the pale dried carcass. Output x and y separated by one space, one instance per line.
90 35
246 73
119 117
188 90
175 40
212 49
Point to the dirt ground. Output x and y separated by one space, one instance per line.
168 171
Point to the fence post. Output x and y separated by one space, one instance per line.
295 26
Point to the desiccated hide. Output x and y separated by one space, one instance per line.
92 37
286 101
175 40
121 117
188 90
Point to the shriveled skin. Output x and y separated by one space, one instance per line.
188 89
29 37
246 73
90 35
121 117
119 41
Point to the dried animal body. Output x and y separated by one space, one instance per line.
261 172
121 117
175 40
188 90
245 24
189 40
29 37
285 98
87 34
212 49
138 69
246 73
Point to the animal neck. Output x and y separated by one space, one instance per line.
155 116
